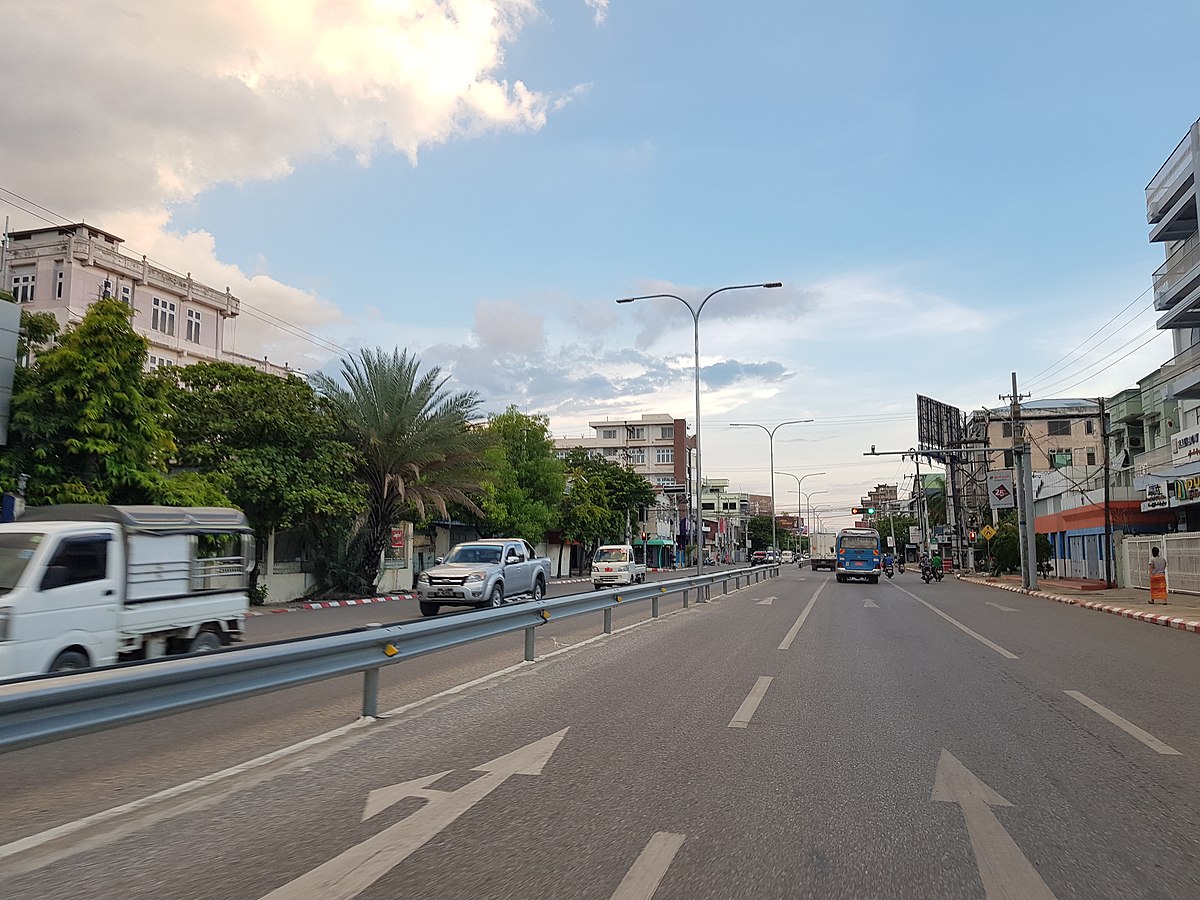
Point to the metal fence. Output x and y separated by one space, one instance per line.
53 707
1182 552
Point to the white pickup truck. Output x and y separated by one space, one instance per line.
84 585
614 564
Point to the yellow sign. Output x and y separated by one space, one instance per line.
988 532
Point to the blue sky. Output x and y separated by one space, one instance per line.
948 191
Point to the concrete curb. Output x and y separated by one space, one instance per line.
330 604
1125 613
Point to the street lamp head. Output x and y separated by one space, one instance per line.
773 284
626 300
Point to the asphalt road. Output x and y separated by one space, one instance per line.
842 740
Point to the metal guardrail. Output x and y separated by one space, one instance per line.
54 707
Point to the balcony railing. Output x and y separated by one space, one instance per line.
1162 186
1180 269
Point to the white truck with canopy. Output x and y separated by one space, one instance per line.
88 585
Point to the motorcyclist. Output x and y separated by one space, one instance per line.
936 564
926 566
888 561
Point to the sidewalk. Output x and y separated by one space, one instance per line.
1181 611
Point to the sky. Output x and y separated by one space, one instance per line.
949 192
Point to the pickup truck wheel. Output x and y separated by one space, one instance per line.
69 661
206 642
539 589
496 598
429 609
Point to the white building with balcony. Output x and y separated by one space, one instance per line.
64 269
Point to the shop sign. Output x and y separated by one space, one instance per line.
1185 447
1157 496
1186 490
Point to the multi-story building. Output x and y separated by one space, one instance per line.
64 269
657 447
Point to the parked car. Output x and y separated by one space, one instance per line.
484 573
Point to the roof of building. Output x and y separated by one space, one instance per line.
65 229
1075 403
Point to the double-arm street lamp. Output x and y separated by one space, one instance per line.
695 311
808 495
771 442
800 478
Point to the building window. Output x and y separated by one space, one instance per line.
164 316
1089 426
126 295
637 456
610 451
635 432
667 433
1059 459
1091 457
1006 429
157 362
608 434
193 325
1059 427
22 288
58 287
1008 459
664 455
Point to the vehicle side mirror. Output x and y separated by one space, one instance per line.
56 576
512 558
438 560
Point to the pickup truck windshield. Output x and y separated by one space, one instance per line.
474 554
15 552
611 556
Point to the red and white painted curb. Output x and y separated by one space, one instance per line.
330 604
1124 612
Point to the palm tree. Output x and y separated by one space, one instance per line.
414 443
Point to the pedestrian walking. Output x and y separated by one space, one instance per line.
1158 576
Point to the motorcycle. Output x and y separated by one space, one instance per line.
900 568
887 570
927 574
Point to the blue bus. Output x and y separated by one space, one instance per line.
859 554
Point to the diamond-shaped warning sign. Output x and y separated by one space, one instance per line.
1001 492
988 532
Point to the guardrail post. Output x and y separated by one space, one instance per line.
370 697
654 607
685 598
608 621
529 650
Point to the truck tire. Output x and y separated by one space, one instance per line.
69 661
496 597
206 641
429 609
539 589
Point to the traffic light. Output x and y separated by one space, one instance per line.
971 536
863 510
645 535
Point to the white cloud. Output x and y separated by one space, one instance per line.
600 10
504 326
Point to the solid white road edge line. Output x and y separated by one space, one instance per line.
41 838
745 712
1124 724
641 881
957 624
795 629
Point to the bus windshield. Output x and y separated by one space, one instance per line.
860 542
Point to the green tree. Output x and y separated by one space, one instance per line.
523 490
38 331
759 531
86 425
414 448
602 494
269 441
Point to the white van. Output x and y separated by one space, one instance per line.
788 557
615 564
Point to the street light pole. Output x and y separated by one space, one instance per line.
808 495
799 479
771 443
695 311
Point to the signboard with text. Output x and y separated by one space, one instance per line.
1001 494
1185 447
914 534
1157 496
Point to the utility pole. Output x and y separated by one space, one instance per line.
1108 580
1023 475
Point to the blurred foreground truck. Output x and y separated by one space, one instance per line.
86 585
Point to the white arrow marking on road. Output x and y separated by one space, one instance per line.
870 604
352 872
643 879
998 606
765 601
1005 872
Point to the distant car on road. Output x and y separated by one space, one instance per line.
483 573
758 557
788 557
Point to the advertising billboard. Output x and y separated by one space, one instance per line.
939 425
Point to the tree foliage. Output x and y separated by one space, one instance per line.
600 495
86 424
414 448
522 494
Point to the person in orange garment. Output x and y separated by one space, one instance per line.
1158 576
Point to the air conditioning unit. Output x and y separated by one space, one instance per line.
1136 442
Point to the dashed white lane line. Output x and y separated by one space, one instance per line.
795 629
1124 724
957 624
999 607
643 879
745 712
765 601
